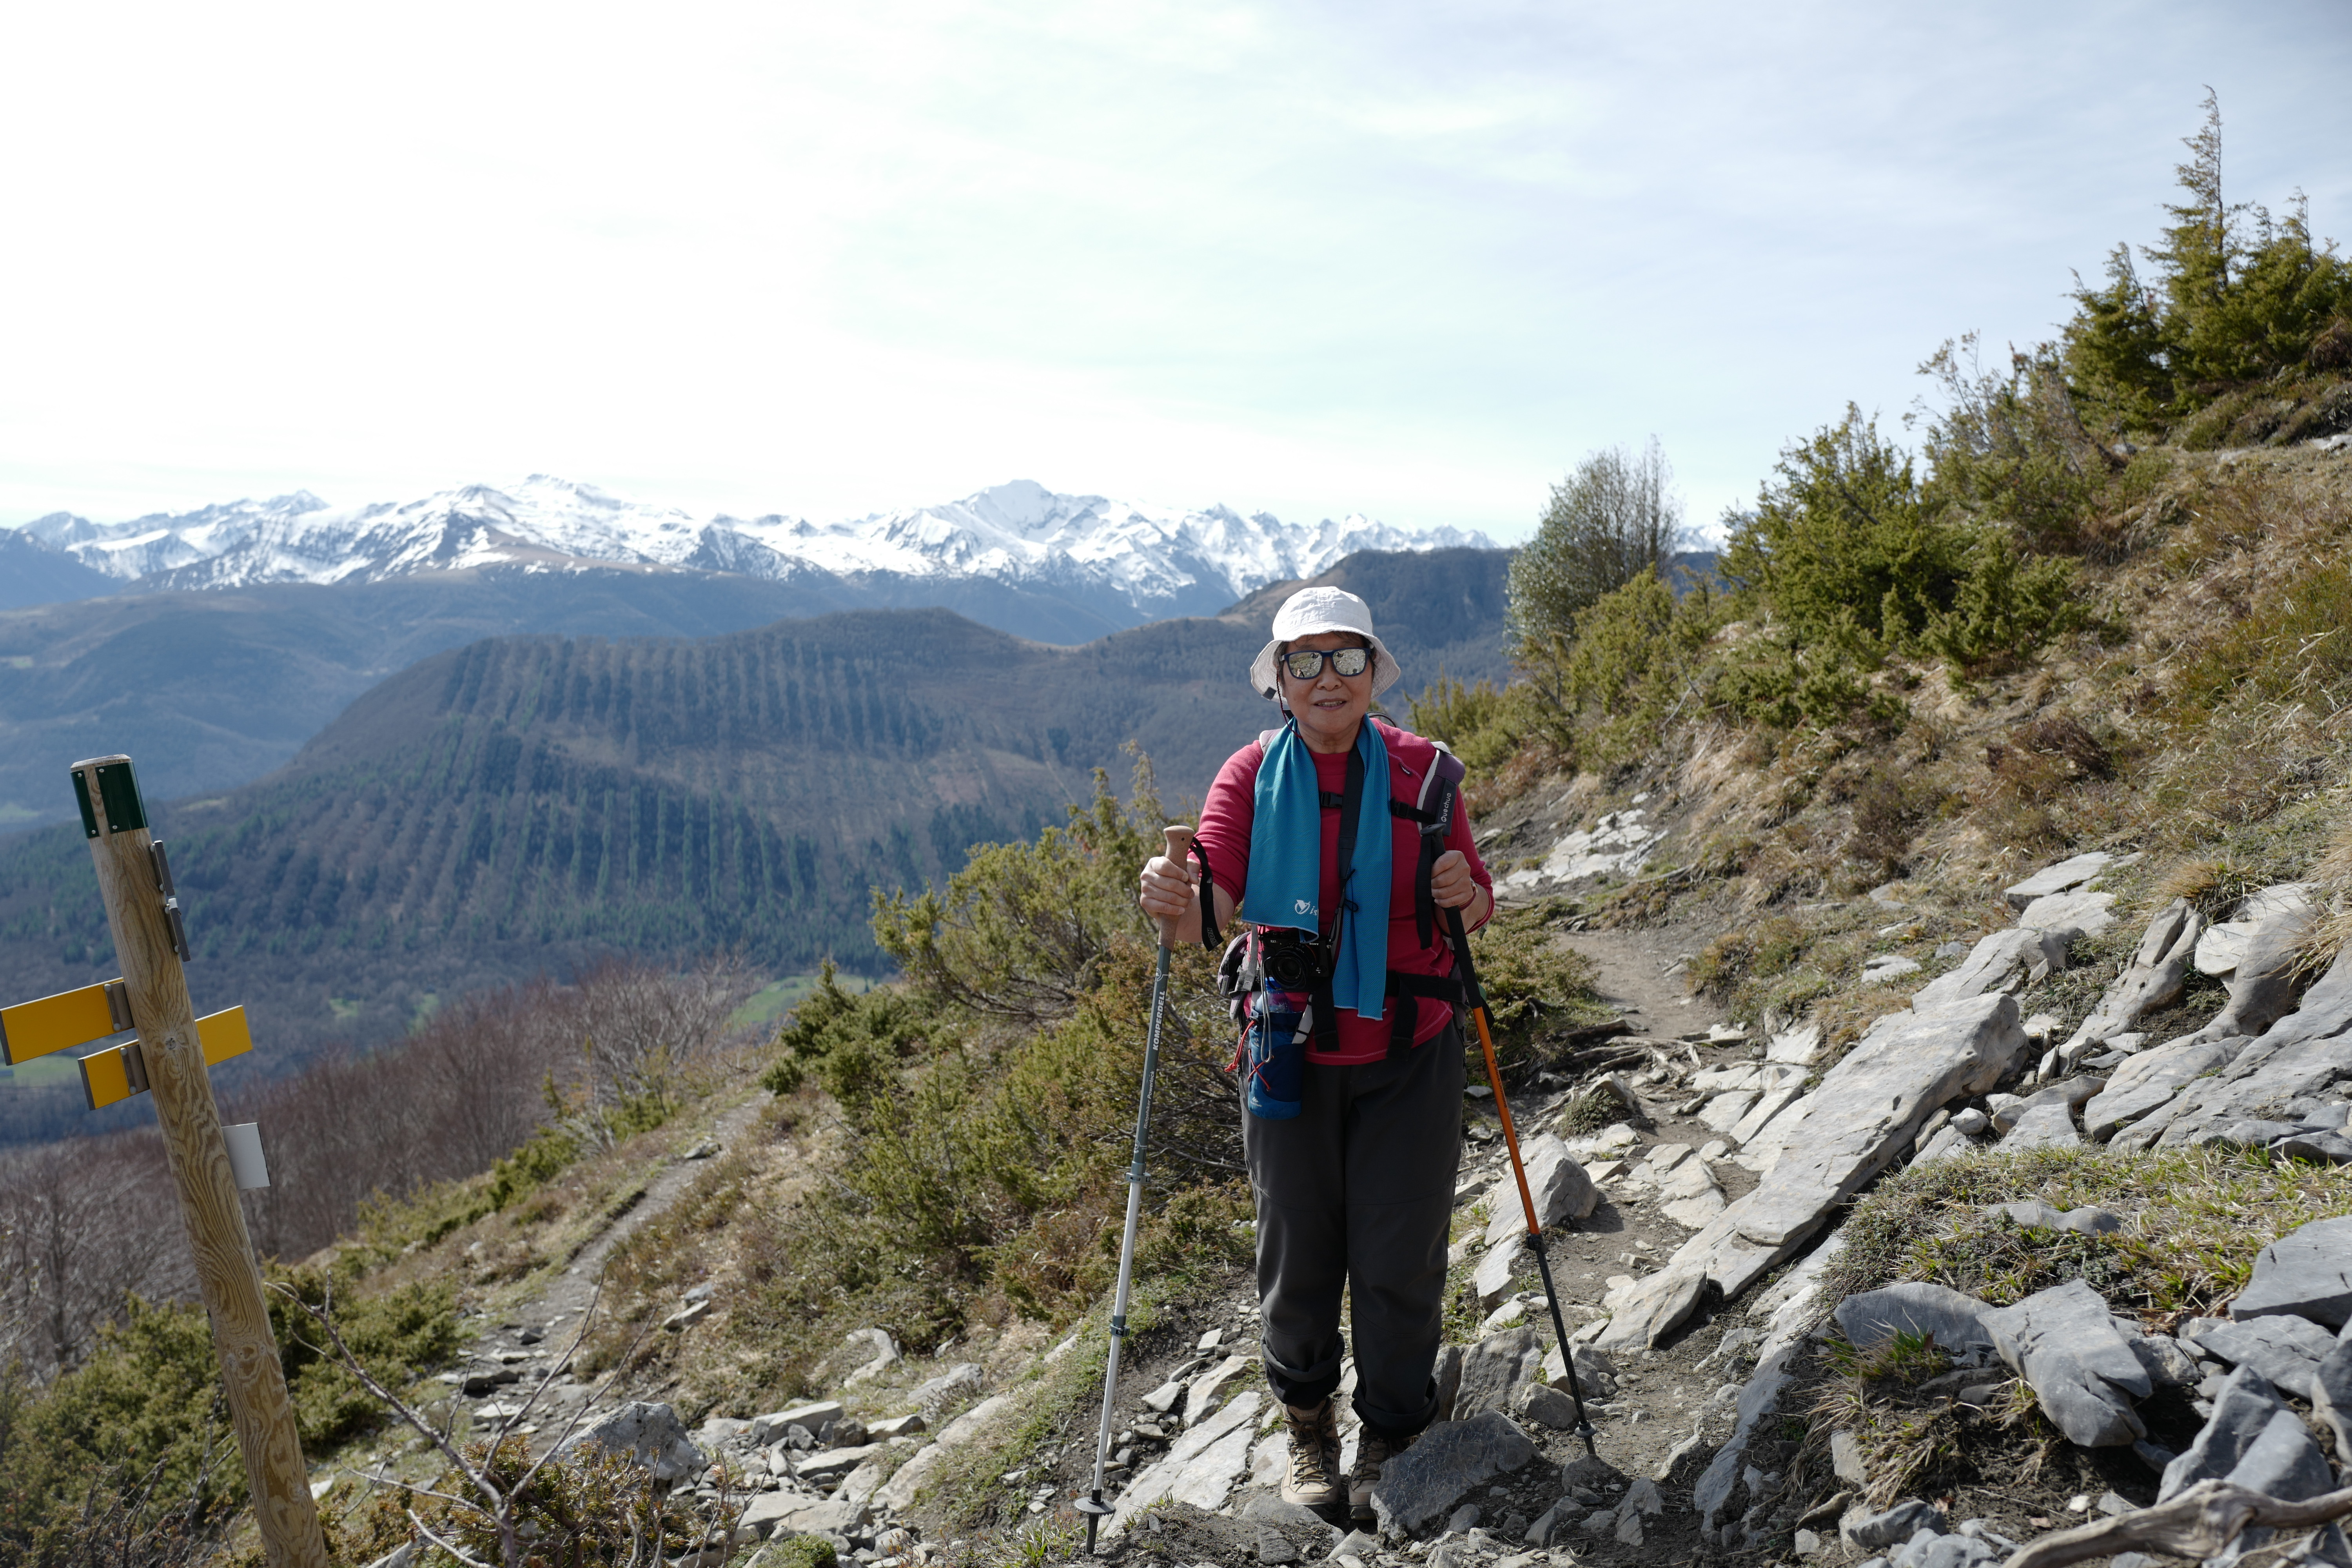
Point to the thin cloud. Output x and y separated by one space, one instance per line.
1317 259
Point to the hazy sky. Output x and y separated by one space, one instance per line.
819 259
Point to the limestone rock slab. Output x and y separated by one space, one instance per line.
797 1513
1759 1399
1770 1104
2064 877
1449 1462
1492 1280
1201 1393
899 1491
768 1429
828 1463
2063 1342
2264 983
1866 1110
1647 1312
1893 1527
1723 1112
1596 1374
1956 1320
2306 1272
2331 1396
2254 1441
652 1435
2305 1057
2002 961
1203 1463
1560 1187
1210 1478
2142 1083
1695 1211
2075 915
2153 979
2241 1410
2045 1126
2286 1349
2223 946
1948 1142
1494 1369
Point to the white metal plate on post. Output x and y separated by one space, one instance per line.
244 1156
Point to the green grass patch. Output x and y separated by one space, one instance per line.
47 1072
769 1004
2194 1219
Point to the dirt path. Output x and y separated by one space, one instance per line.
1639 974
523 1339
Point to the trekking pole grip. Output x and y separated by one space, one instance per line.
1179 846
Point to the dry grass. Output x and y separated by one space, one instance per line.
2331 877
1872 1393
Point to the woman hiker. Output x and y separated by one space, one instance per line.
1355 1182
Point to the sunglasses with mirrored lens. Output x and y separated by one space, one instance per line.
1307 663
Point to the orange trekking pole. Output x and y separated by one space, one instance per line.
1478 1001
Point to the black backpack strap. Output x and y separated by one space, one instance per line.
1209 937
1434 813
1404 990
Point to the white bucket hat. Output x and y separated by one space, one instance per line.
1313 610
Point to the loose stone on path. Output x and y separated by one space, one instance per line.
1440 1469
2063 1342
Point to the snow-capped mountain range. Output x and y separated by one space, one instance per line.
1134 562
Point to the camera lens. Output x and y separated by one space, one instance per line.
1290 963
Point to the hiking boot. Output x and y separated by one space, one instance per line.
1313 1478
1373 1451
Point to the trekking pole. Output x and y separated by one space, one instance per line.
1179 839
1478 1000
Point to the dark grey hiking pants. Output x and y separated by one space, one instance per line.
1356 1190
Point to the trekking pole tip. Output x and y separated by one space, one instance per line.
1094 1508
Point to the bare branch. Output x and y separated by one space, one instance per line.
2198 1523
448 1546
323 1315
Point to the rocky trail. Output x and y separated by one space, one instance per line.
1693 1186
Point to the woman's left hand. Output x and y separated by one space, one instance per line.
1450 882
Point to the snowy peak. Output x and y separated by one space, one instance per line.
1143 561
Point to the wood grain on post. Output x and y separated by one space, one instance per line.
226 1277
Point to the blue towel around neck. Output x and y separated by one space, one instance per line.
1286 863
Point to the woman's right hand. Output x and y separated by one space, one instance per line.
1166 892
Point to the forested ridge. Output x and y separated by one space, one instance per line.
521 804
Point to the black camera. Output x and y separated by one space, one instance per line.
1293 960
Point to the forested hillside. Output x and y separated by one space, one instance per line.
523 804
213 690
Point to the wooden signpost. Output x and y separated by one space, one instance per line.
169 1060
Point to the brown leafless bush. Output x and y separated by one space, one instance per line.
81 1223
644 1033
85 1221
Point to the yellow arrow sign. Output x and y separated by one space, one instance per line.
119 1072
60 1023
